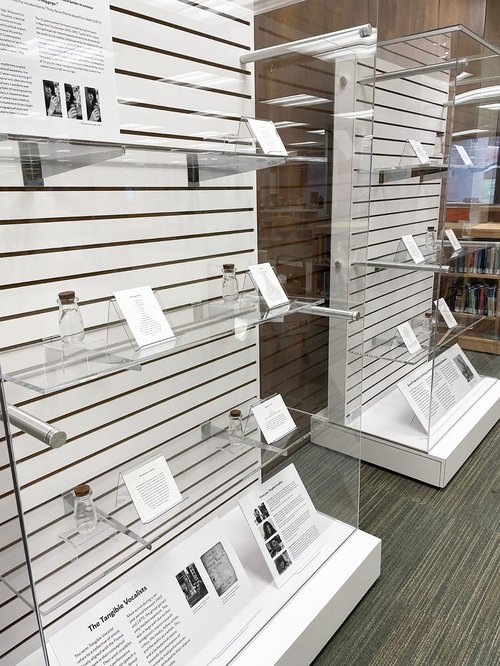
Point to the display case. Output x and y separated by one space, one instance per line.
173 508
431 274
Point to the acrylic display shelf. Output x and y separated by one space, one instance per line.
41 157
83 561
50 365
390 347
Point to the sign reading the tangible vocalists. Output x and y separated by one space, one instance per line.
181 610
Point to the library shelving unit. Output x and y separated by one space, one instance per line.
97 410
427 407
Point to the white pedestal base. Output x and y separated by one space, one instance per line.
300 630
405 452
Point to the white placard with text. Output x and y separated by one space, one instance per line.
445 311
284 522
152 488
268 285
464 155
267 136
419 151
273 418
433 389
409 338
413 249
58 72
454 242
144 315
180 610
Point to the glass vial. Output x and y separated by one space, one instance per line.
236 436
428 322
84 510
439 145
70 319
230 291
430 243
466 229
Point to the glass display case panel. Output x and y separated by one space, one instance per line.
441 87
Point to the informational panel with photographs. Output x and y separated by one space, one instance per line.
183 609
284 522
57 76
452 379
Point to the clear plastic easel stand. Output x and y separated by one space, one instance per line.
251 292
413 155
121 338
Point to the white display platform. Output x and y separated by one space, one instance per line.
295 621
453 443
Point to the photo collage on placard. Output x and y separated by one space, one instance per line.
274 543
219 569
72 101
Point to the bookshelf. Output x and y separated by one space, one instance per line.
472 284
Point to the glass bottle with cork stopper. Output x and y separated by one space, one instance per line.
236 436
71 327
84 509
230 291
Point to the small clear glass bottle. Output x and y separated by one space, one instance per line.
70 319
428 322
236 436
230 291
439 145
84 509
430 244
466 229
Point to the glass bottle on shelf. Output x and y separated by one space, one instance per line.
84 509
430 244
230 291
236 436
71 327
439 145
466 229
428 322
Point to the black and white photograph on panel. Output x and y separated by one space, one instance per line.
92 105
274 545
260 514
267 529
73 99
219 568
192 584
282 562
52 96
462 366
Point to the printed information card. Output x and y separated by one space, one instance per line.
453 378
445 311
267 136
413 249
144 315
182 610
409 338
152 488
268 285
58 72
284 522
454 242
273 418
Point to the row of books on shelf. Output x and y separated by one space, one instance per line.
479 299
485 261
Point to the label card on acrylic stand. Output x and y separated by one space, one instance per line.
413 249
454 242
443 308
271 511
419 151
144 315
273 418
266 134
152 488
268 285
409 337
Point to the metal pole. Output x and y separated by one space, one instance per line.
35 427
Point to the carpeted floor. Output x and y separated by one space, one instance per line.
437 602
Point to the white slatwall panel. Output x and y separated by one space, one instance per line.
404 109
109 227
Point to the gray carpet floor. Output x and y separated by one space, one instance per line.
437 602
